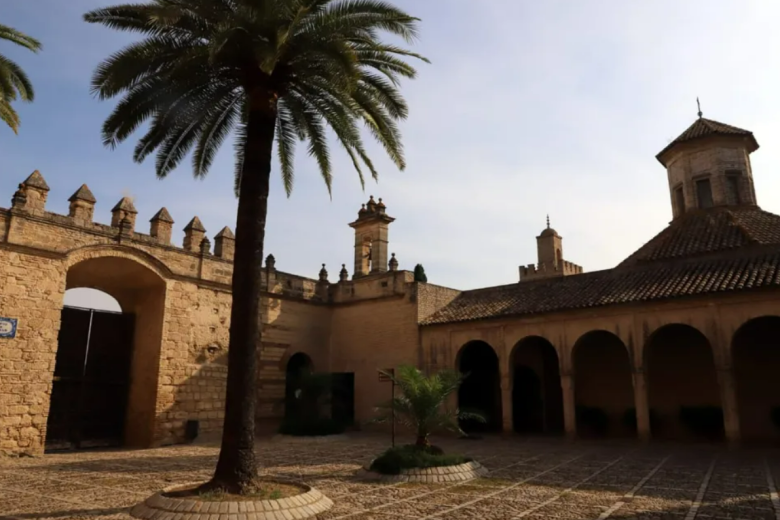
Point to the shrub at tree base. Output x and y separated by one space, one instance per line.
311 427
397 459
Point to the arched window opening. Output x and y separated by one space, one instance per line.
86 298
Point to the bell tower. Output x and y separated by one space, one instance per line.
708 166
371 239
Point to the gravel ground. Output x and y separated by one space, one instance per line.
530 478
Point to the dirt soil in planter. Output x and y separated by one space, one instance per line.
264 490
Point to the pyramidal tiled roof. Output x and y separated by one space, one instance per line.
707 231
84 194
707 127
717 250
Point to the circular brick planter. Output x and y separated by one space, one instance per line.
309 440
459 473
158 507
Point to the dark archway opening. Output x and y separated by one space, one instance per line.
756 361
683 391
537 399
106 371
298 366
481 389
603 386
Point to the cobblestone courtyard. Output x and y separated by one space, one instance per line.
532 479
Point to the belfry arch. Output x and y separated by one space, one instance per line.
107 364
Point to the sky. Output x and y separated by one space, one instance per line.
527 109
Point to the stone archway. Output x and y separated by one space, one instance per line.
683 392
298 365
603 388
756 361
537 399
481 389
107 365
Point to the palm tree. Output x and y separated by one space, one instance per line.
13 80
422 405
274 71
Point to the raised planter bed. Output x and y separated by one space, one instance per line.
459 473
308 504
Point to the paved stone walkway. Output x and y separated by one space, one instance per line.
533 479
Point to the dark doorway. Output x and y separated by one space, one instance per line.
481 389
298 366
756 355
91 379
537 399
527 402
682 385
604 389
343 398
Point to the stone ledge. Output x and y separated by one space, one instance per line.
299 507
443 474
309 440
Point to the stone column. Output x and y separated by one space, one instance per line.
641 405
506 403
569 405
728 398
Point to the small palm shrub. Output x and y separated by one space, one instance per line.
422 405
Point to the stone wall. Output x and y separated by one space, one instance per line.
179 295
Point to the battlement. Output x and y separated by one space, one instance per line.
27 224
544 270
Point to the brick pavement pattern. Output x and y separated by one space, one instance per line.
529 478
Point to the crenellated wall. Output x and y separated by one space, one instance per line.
536 272
180 296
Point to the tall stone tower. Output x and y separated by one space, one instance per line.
549 252
371 239
708 165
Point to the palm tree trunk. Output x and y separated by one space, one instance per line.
237 466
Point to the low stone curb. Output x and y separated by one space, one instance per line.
309 440
298 507
443 474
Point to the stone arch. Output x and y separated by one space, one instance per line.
149 261
755 351
682 383
603 387
537 399
111 358
481 389
296 366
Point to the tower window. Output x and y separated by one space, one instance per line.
732 187
704 193
679 198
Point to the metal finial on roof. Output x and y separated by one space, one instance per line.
548 221
698 104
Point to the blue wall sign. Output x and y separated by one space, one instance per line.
8 327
